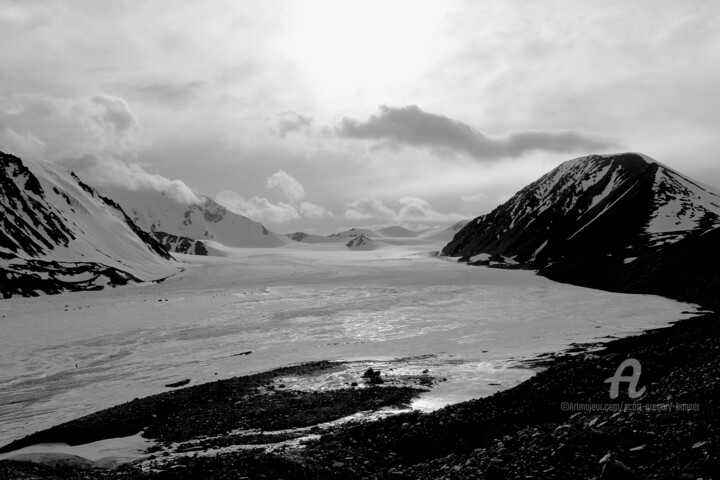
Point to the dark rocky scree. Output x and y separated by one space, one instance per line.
33 277
523 432
219 407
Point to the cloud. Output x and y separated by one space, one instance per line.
292 122
23 144
311 210
97 136
72 127
114 113
412 210
415 209
112 121
369 209
474 197
257 208
110 172
165 93
410 126
291 188
594 67
17 17
260 208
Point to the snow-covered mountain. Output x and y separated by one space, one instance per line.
602 221
393 231
313 238
361 243
58 234
355 232
445 234
155 211
614 204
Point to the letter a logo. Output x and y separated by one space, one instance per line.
632 379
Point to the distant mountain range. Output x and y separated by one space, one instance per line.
392 232
203 222
619 222
59 234
313 238
356 232
397 231
446 234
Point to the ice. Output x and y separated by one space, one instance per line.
68 355
115 450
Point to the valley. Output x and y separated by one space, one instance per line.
156 360
68 355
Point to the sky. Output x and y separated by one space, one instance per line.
319 115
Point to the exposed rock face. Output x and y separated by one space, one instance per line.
29 225
593 205
297 236
303 237
360 242
179 244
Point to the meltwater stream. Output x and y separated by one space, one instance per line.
69 355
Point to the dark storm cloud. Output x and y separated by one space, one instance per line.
411 126
292 122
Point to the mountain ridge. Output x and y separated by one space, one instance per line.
205 221
59 234
595 221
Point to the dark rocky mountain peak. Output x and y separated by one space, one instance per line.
603 221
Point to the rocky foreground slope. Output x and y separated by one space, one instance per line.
560 424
